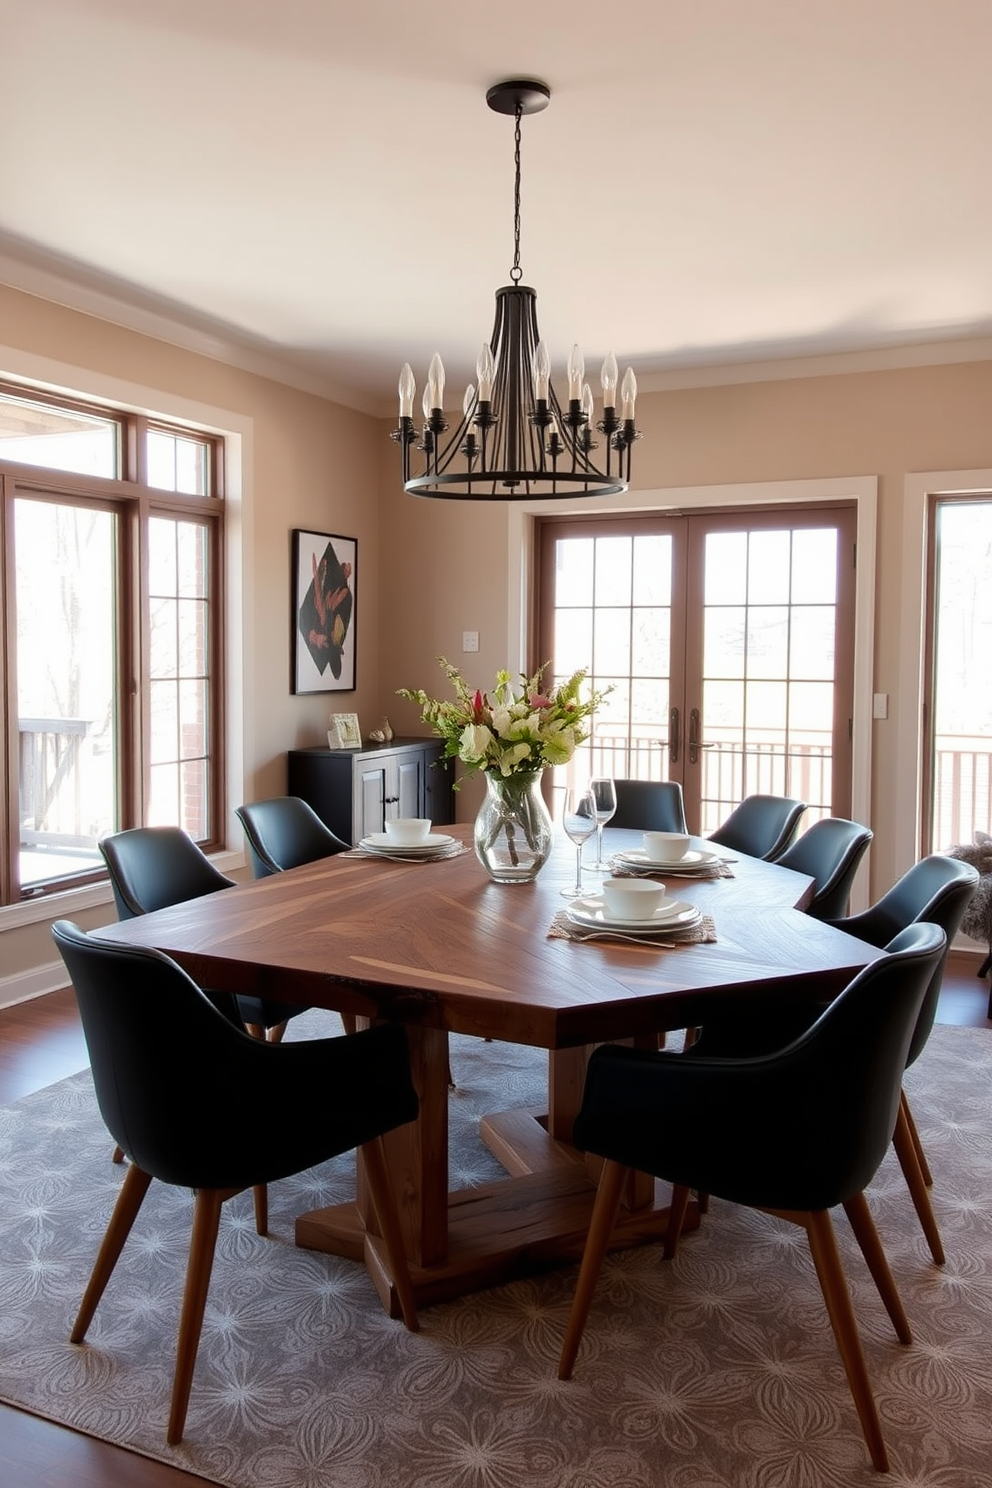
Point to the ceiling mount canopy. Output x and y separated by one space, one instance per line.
515 441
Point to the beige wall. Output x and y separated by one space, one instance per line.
430 569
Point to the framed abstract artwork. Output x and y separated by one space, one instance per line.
325 612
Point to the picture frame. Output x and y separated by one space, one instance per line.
325 612
345 730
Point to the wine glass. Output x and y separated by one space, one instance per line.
578 820
605 795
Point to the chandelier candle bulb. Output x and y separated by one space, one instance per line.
485 370
576 372
542 372
407 389
435 381
628 394
610 374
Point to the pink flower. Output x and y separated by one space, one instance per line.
538 700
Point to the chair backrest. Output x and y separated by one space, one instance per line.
937 888
805 1127
761 826
208 1106
284 832
649 806
829 853
162 1097
153 867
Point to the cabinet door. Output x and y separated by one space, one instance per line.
410 785
439 802
371 793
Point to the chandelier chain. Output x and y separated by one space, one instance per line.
516 273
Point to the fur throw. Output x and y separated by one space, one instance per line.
977 920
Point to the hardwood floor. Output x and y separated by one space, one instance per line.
41 1042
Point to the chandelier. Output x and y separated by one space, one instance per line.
515 441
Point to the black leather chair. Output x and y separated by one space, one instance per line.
153 867
169 1103
935 891
829 852
761 826
649 806
780 1133
285 832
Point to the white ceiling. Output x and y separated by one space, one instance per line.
714 182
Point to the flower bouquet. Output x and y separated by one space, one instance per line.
511 734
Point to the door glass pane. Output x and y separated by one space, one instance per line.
779 725
768 568
961 741
66 701
624 639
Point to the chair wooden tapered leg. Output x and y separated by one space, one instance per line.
274 1035
676 1217
206 1221
866 1235
907 1153
257 1030
604 1214
833 1283
921 1156
260 1194
377 1175
117 1156
129 1201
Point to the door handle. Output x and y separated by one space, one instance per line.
695 743
674 719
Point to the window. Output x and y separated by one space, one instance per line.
111 549
958 694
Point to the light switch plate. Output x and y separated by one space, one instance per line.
880 705
470 640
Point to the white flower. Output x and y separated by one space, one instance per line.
475 742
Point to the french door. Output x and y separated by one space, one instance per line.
726 639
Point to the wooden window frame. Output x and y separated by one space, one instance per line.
134 502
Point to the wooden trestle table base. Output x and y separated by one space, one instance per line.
441 948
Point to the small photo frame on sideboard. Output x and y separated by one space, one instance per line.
325 612
344 732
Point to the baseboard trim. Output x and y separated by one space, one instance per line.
26 985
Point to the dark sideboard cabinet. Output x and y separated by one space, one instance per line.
354 790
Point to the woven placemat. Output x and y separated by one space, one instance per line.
562 928
620 869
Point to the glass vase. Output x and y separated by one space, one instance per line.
513 831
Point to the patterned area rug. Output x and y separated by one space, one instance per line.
715 1371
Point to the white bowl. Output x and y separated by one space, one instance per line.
666 847
632 898
408 831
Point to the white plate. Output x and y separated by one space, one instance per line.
692 859
671 914
381 842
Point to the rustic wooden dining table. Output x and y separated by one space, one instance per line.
440 947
